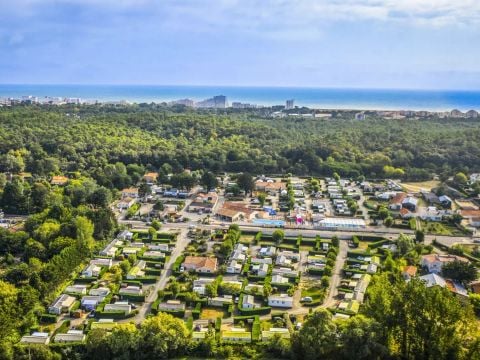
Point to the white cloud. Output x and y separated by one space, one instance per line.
300 19
291 12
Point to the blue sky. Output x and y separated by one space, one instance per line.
337 43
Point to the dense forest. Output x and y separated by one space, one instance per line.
103 149
92 139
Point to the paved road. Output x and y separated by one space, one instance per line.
181 244
336 275
391 233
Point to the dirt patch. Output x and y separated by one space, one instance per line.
421 186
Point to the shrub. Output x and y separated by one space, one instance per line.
190 323
197 310
48 318
256 329
355 241
257 311
218 324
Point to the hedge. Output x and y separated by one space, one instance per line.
153 264
255 278
256 330
86 279
134 298
190 323
153 272
317 252
257 311
151 258
132 282
378 244
369 238
358 253
175 313
197 310
314 271
178 262
111 314
347 290
351 261
147 279
48 318
237 319
281 286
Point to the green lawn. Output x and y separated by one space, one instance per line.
437 228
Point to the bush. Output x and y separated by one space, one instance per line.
314 271
218 324
111 314
147 279
256 329
190 323
377 244
355 241
176 313
153 272
237 319
48 318
197 310
133 298
178 262
258 311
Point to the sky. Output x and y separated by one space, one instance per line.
414 44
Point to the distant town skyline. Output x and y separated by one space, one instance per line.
411 44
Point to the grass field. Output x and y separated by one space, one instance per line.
312 288
440 228
418 186
246 239
211 313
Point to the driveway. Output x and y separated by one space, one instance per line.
144 310
337 274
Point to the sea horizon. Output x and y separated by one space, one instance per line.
312 97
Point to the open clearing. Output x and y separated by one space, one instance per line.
418 186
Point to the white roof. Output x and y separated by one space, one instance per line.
432 280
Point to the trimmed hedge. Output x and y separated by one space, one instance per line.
256 329
378 244
237 319
147 279
313 271
190 323
86 279
370 238
257 311
197 310
153 272
48 318
134 298
281 286
178 262
112 314
175 313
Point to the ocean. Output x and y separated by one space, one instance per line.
323 98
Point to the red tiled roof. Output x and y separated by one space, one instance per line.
410 270
397 199
201 262
470 213
404 212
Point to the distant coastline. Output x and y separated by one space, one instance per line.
317 98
